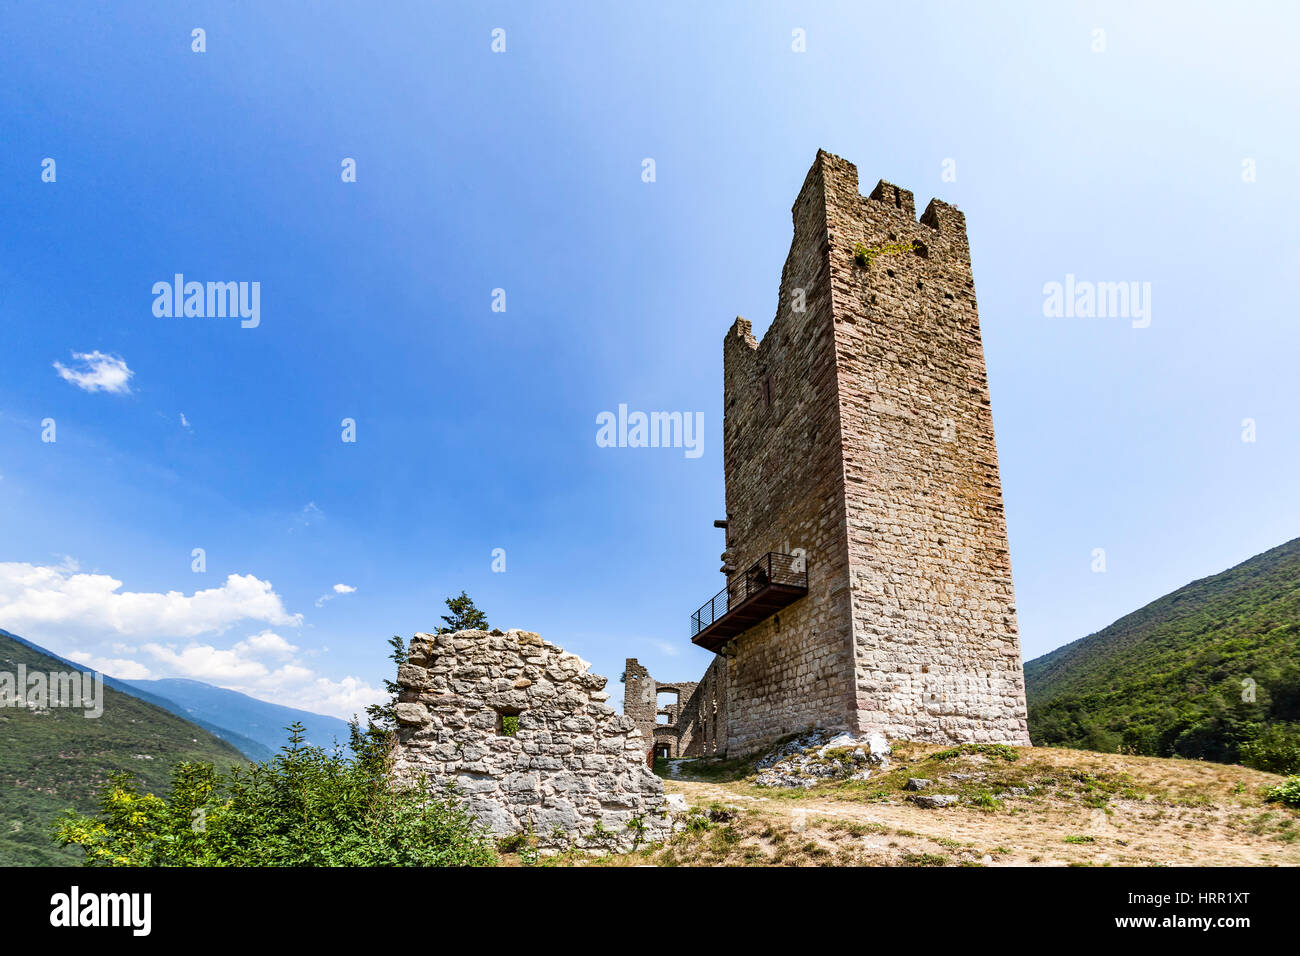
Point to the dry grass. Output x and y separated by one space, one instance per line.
1019 806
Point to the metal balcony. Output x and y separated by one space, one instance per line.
771 583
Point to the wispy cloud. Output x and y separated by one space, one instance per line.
310 515
338 589
97 372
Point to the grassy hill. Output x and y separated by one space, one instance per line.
250 748
1012 806
55 759
1169 679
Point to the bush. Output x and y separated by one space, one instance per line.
1276 750
305 807
997 751
1288 792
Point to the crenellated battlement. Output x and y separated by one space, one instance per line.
895 197
834 223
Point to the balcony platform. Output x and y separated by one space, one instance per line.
773 582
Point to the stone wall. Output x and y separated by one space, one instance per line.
860 430
785 491
696 721
704 715
572 767
640 702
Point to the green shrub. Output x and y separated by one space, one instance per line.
997 751
1288 793
305 807
1276 750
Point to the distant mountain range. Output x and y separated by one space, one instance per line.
55 759
1197 673
255 727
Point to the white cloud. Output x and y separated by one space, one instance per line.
208 663
243 668
665 648
113 667
269 644
185 422
344 698
86 616
37 601
98 373
338 589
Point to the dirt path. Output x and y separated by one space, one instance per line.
1023 832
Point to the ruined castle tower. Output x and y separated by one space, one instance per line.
869 581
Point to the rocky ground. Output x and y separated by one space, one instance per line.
853 803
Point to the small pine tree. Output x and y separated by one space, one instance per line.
373 744
464 615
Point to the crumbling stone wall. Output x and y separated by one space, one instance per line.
695 722
572 772
640 702
704 715
673 734
860 430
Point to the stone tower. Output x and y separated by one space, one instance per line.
858 437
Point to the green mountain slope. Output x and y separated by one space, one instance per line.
1176 677
57 758
250 748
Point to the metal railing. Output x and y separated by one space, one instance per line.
789 570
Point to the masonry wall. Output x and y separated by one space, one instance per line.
572 764
860 429
695 722
785 491
704 715
640 701
936 642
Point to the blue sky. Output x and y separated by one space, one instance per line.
522 171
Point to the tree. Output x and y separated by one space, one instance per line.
464 615
383 717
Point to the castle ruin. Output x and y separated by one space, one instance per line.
692 724
521 730
868 575
868 579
